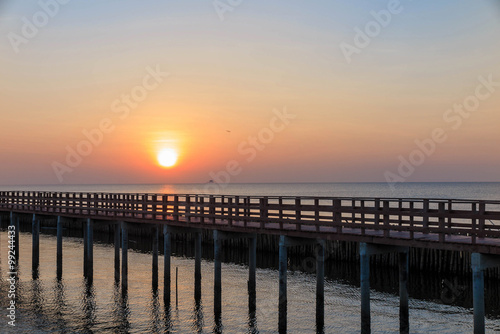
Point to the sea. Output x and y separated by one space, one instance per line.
69 305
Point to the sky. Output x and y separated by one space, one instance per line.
249 91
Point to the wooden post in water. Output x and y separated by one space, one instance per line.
217 276
364 263
117 251
176 286
89 254
167 250
124 258
283 266
35 255
197 266
404 321
320 286
480 262
365 251
478 293
59 250
252 264
85 250
156 236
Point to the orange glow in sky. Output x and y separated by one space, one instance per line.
165 92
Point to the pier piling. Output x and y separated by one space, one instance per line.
156 236
478 299
404 325
197 266
217 276
59 250
85 250
364 263
89 250
116 240
365 251
320 286
124 258
167 250
35 262
480 262
252 264
283 265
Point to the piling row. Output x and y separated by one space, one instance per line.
421 259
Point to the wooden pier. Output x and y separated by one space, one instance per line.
379 225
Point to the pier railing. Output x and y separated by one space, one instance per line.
443 221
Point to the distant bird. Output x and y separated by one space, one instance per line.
229 131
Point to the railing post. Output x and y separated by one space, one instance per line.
353 214
363 220
188 208
263 210
482 210
412 219
212 209
236 211
441 220
400 216
316 213
337 214
298 214
176 207
387 224
474 223
246 209
230 211
425 216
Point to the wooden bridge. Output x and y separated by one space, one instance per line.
380 225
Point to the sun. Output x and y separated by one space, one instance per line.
167 157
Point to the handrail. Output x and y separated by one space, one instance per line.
438 220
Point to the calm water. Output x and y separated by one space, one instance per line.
68 306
